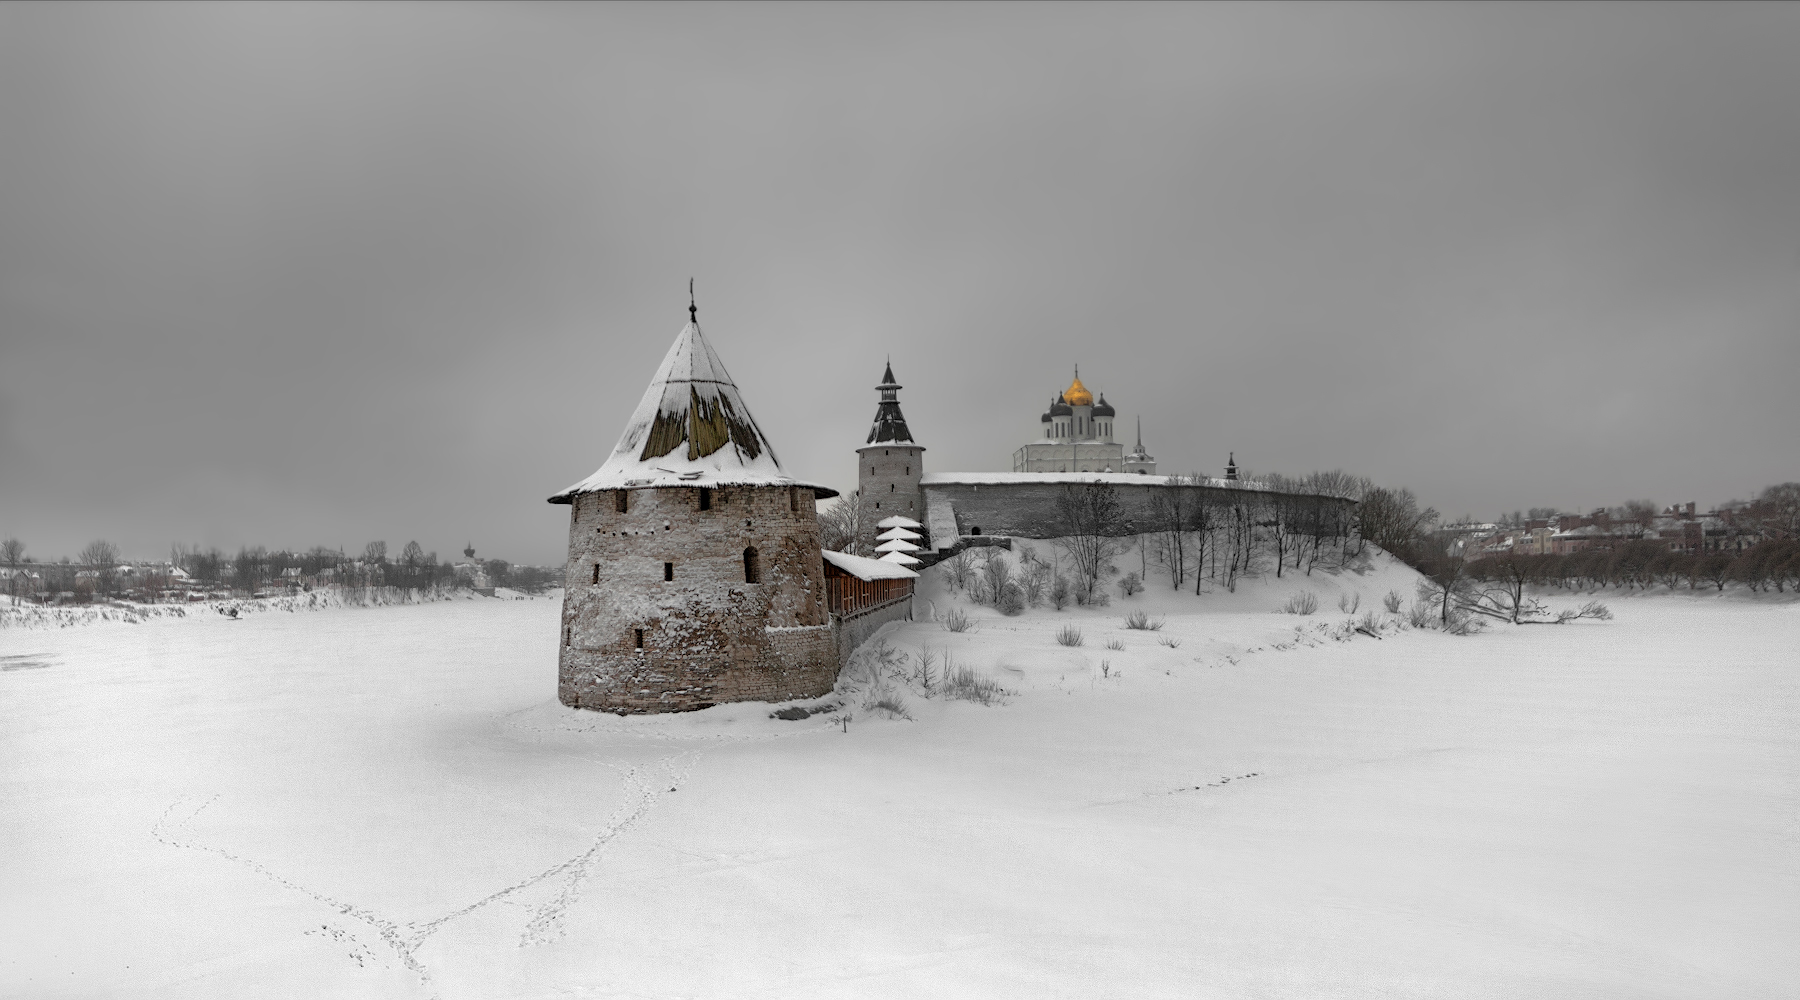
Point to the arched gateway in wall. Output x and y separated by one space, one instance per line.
694 573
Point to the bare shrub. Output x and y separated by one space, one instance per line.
957 620
888 701
1349 603
1421 615
925 674
1034 577
1392 602
964 684
1304 602
962 569
1105 668
1012 599
1169 641
1592 609
1142 622
1463 623
1059 592
1369 623
874 665
996 574
1115 644
1130 584
1069 636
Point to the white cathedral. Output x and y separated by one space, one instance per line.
1078 437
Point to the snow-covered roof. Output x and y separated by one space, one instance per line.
897 532
897 545
864 568
898 521
690 429
899 557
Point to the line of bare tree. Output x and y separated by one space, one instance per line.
98 572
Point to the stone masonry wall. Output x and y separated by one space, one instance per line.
851 631
887 481
708 635
1028 510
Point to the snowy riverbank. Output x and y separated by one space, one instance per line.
390 803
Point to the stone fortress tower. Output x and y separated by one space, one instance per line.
890 466
694 573
1078 437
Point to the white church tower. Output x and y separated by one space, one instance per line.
1078 437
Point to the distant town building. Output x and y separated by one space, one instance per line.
1680 528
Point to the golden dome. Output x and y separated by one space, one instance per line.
1077 394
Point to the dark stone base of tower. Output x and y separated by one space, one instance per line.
691 597
777 669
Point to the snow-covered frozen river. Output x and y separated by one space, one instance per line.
389 803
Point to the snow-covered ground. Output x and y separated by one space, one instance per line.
388 802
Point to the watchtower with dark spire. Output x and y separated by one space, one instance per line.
890 466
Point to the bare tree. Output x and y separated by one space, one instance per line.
1170 510
840 525
1235 542
497 570
1776 512
1443 573
1282 518
1714 568
12 552
412 565
375 552
1201 523
1393 519
102 557
1092 518
251 565
1632 519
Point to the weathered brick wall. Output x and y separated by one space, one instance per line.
851 631
708 635
888 483
1029 509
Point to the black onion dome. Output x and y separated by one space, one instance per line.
1061 407
1103 408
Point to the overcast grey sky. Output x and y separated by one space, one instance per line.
314 274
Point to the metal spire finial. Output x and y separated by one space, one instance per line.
693 310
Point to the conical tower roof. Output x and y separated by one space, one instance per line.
690 429
889 425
